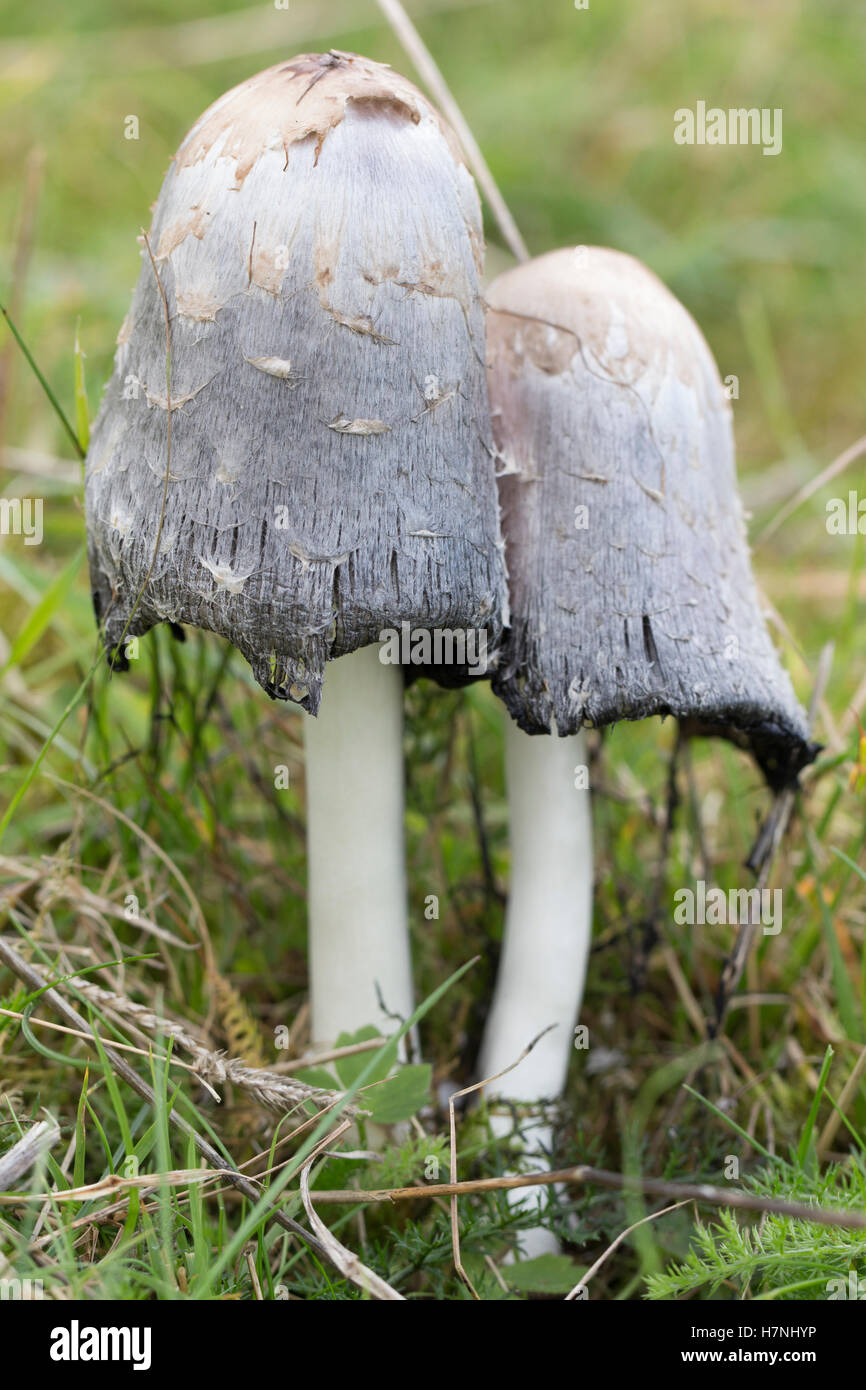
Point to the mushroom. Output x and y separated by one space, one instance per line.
318 243
631 595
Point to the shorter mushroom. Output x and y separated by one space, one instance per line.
631 595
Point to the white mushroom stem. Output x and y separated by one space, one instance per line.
357 902
548 926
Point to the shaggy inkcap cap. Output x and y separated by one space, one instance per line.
630 582
318 238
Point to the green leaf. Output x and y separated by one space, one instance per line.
401 1096
42 614
350 1068
318 1076
544 1274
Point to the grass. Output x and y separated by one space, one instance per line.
150 833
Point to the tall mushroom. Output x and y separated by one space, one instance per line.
631 595
317 468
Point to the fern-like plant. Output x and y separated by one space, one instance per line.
777 1257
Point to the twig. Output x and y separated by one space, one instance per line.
585 1176
432 77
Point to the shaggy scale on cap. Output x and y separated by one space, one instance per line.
318 238
630 582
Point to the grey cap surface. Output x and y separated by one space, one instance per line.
318 238
630 580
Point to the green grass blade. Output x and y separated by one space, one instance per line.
82 411
42 615
27 780
80 1135
738 1129
57 407
806 1137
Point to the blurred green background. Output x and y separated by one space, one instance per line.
574 110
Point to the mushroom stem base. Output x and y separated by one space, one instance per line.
548 922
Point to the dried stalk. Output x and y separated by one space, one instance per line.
426 66
850 1089
346 1262
623 1235
112 1184
585 1176
839 464
29 1149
